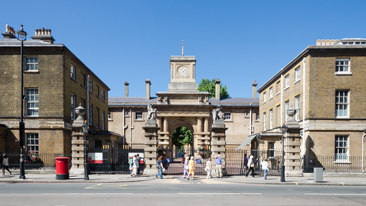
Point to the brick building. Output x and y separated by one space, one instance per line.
325 84
55 83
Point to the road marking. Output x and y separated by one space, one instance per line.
219 193
331 194
342 183
296 183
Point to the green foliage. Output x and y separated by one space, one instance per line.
207 85
182 136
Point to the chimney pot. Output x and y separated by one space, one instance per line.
148 83
126 89
254 89
217 89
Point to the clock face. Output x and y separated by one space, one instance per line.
183 72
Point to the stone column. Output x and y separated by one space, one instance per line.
292 146
150 150
77 143
218 136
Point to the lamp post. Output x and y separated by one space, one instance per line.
283 131
85 131
22 37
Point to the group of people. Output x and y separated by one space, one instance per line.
251 165
4 163
189 166
134 163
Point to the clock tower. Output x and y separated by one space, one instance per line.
182 74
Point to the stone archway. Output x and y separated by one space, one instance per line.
175 124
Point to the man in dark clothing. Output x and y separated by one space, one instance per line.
138 160
1 163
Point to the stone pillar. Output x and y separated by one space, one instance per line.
292 146
150 149
218 137
199 124
77 143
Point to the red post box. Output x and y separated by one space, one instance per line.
62 168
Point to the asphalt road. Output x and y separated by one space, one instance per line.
178 192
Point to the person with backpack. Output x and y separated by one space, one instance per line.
5 164
160 167
250 166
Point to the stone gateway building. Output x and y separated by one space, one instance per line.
183 106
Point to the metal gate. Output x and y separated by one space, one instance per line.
114 161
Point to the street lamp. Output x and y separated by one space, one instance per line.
22 37
283 131
85 131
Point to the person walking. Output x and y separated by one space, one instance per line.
191 168
138 160
218 162
160 167
185 167
135 166
5 164
250 166
208 168
265 168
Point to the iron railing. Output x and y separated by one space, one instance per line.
351 164
35 160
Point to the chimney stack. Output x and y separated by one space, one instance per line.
43 35
126 89
217 89
148 83
9 32
254 89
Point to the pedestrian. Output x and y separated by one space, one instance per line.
160 167
250 166
185 167
138 160
208 168
135 166
191 166
5 164
265 168
130 164
1 163
218 162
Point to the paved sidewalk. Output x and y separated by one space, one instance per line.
115 178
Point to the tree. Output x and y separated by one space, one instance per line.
182 136
207 85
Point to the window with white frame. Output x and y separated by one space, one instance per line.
90 119
264 96
297 107
270 92
264 122
73 104
103 122
139 115
287 106
90 85
257 117
271 149
341 147
297 74
103 95
271 119
73 72
32 102
227 116
31 64
342 66
342 102
97 92
287 81
32 142
109 116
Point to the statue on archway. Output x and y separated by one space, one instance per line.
217 114
151 112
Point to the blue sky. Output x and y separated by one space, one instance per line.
235 41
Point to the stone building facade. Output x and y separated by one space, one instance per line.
325 85
55 83
183 105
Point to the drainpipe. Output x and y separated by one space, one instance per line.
251 125
123 127
282 99
363 138
87 98
303 104
131 127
